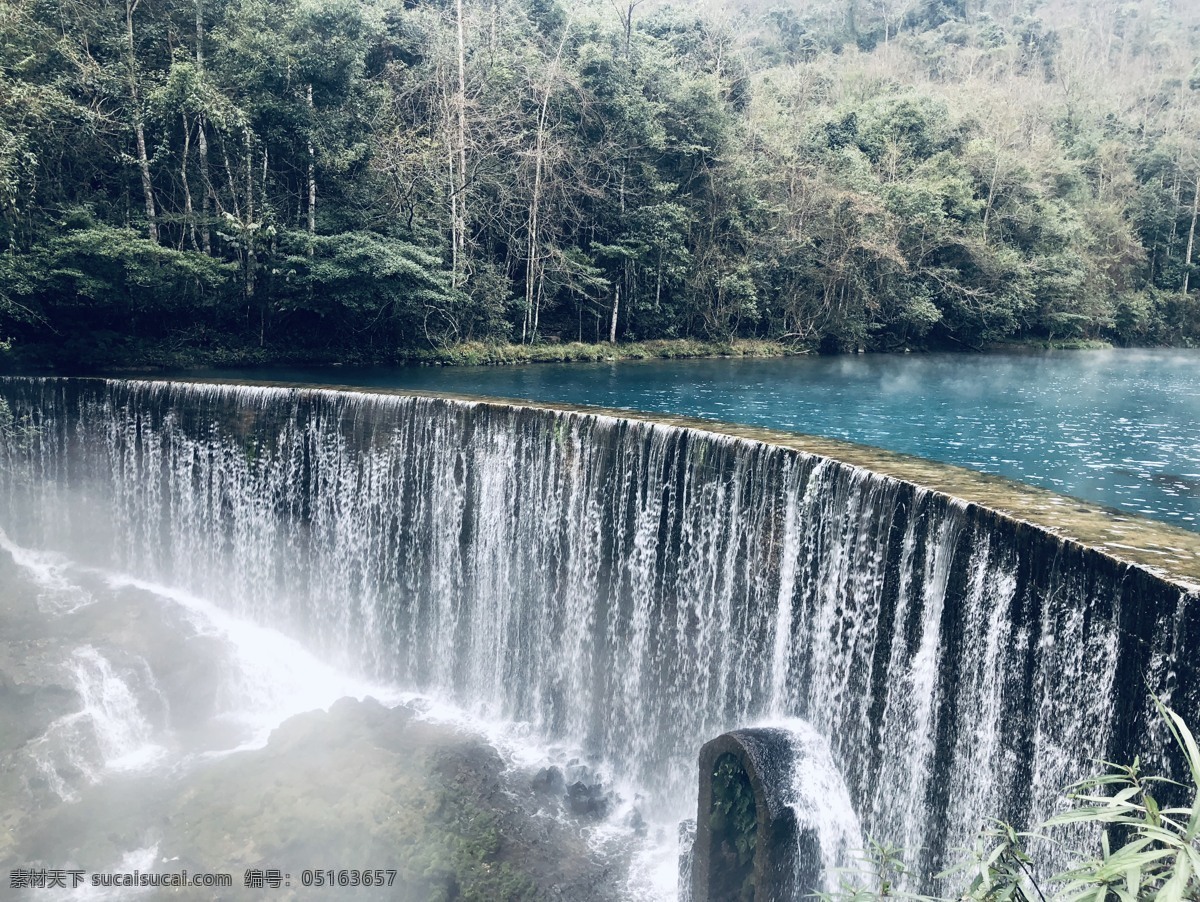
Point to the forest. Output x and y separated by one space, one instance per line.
365 180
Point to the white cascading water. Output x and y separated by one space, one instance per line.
628 588
110 732
57 594
122 730
822 804
273 678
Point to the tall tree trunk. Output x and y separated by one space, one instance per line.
139 130
612 329
233 198
627 21
248 227
537 309
202 137
189 210
312 174
533 264
205 210
492 33
1177 195
987 212
199 35
460 103
249 138
533 267
1187 272
452 190
262 184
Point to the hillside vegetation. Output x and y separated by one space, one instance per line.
377 179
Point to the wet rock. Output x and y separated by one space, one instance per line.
550 780
28 708
365 786
587 800
587 796
577 790
635 822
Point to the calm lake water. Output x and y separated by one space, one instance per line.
1120 428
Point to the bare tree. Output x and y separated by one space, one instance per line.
138 123
533 267
312 171
202 137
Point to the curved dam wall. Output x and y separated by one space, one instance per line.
632 587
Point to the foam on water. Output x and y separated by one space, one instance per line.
121 728
274 678
110 733
57 594
143 860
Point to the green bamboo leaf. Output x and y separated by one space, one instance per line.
1092 815
1133 882
995 854
1164 835
1193 855
1183 736
1075 815
1126 794
1125 895
1152 809
1174 888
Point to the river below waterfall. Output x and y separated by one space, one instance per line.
1118 427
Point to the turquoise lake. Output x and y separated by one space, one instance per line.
1120 428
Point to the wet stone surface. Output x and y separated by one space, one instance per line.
365 786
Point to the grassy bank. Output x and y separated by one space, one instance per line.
145 355
486 354
1050 344
138 356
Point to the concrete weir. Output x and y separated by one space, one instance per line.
632 586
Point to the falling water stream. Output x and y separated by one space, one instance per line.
621 589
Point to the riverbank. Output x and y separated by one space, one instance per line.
1050 344
491 354
142 356
474 353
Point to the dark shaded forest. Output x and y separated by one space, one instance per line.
257 180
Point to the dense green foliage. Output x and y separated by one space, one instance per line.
376 178
734 824
1147 851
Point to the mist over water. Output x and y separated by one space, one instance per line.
614 590
1120 427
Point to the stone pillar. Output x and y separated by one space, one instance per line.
748 846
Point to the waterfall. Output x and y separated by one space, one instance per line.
112 731
122 731
630 587
823 806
